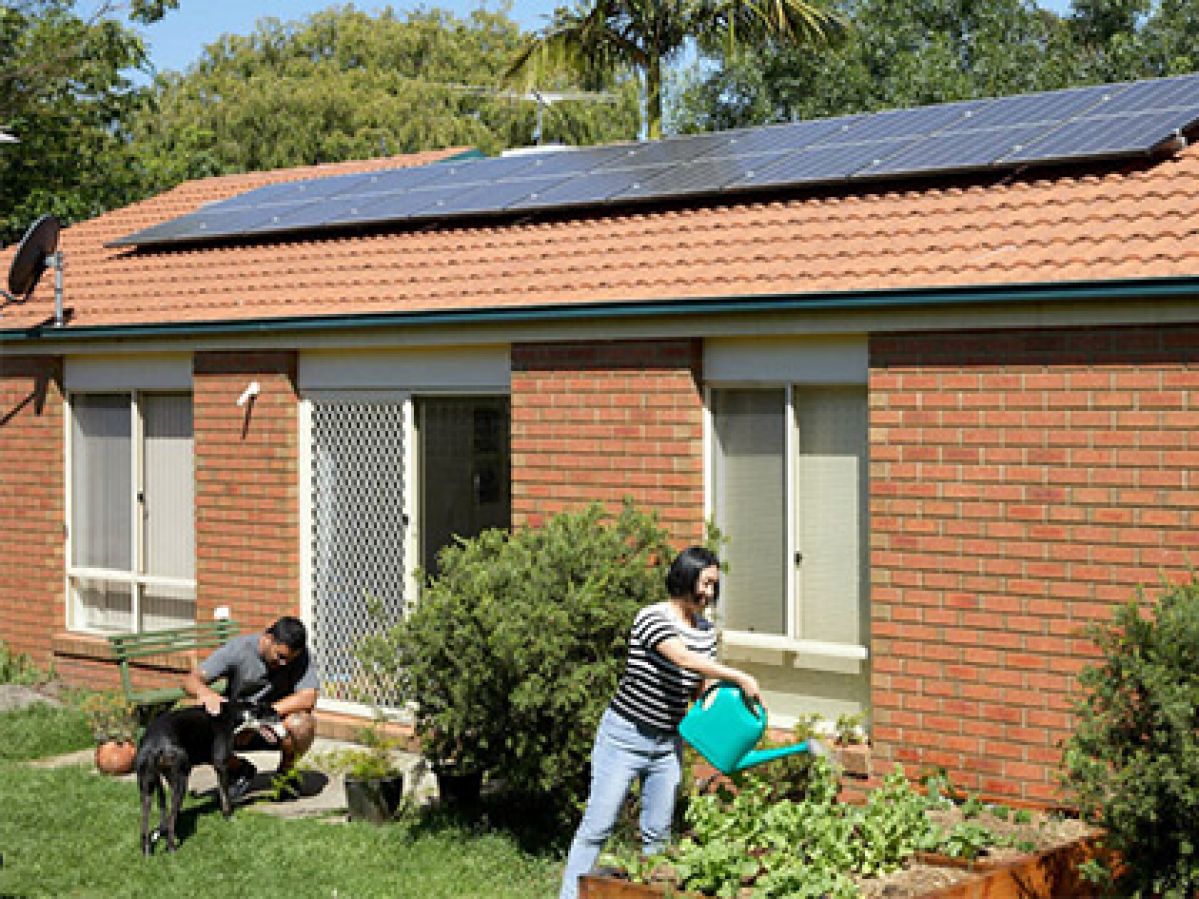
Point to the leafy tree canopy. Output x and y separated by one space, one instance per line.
64 94
911 52
347 85
600 40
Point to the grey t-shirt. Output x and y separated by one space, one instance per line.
248 676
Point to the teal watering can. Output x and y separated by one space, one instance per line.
724 729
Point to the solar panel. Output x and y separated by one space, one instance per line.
499 196
825 163
772 138
1097 121
595 188
1161 93
894 124
1036 109
676 151
956 150
572 162
1099 136
701 176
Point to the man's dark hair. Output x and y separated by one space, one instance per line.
289 631
686 568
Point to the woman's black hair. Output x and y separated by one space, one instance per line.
686 568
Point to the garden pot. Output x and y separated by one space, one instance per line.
115 756
458 787
374 799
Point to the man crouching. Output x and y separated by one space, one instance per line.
274 667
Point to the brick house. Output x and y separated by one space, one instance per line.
944 420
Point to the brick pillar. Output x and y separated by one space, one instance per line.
32 504
247 471
603 421
1022 484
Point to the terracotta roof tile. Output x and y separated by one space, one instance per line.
1054 226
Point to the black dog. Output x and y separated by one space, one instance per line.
177 741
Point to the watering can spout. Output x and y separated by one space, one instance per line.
758 756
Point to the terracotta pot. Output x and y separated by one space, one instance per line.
115 756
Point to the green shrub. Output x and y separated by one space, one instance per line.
18 668
515 648
1132 763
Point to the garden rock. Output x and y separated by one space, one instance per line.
17 696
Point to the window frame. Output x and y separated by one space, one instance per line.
135 578
789 641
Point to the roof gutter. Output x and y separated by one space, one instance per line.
1053 292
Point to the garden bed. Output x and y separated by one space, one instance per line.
1043 874
904 842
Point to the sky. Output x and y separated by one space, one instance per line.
179 39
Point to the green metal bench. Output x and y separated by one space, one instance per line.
128 647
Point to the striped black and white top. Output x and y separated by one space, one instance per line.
654 691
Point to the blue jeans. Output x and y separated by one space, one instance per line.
623 751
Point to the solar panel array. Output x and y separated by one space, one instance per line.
1103 121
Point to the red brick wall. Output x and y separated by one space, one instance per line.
247 506
32 505
1022 484
602 421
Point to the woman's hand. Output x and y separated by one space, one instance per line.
749 686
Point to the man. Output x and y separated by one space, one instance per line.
273 666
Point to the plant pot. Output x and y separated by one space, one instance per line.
458 787
115 756
374 799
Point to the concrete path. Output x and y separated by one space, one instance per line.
322 794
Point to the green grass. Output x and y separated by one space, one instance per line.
41 730
72 832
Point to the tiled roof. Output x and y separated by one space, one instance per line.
1058 225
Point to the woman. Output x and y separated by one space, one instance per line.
672 651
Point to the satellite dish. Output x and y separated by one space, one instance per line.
37 246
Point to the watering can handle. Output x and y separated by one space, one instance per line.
756 709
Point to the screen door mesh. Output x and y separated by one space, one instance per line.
357 536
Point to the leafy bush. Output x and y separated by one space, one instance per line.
18 668
515 648
1132 763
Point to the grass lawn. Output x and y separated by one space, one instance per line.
72 832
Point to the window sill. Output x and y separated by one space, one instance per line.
97 648
817 648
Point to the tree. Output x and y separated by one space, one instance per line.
600 40
347 85
896 54
64 95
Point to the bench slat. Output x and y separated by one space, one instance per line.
151 643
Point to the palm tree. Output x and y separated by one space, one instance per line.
596 38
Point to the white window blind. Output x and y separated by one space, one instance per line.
169 508
831 513
750 493
101 475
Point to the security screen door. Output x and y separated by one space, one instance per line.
373 523
358 534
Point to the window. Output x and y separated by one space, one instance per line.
132 511
789 490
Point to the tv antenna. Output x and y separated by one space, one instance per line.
37 252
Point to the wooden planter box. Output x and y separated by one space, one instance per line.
1042 875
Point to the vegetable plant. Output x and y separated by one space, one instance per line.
747 838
